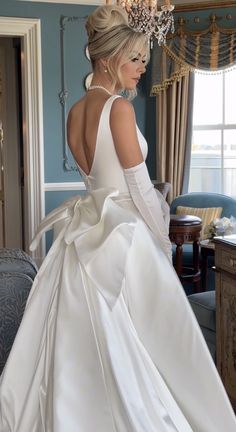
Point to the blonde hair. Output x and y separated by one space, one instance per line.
105 17
110 38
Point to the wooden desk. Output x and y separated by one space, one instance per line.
183 229
225 263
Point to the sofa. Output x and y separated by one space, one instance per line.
203 304
17 272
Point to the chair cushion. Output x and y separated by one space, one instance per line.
14 291
207 215
204 307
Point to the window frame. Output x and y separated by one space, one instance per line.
221 127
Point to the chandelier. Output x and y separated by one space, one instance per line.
144 16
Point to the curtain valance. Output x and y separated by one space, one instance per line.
212 49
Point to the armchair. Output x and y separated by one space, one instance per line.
203 200
17 272
203 304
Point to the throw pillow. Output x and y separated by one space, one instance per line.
206 214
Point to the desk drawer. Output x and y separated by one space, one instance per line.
225 260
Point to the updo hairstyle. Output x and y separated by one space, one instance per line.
105 17
110 38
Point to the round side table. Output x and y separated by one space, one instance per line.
186 229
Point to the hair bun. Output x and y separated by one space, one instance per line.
104 18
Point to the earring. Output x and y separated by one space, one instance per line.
105 69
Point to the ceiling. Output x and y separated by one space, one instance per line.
191 3
175 2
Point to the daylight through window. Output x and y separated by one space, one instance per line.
213 155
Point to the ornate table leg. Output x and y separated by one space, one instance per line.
196 264
179 253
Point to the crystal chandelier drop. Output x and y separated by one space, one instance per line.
144 16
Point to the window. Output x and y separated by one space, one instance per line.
213 154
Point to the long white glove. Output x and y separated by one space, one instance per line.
150 204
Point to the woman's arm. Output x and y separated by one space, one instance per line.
123 127
124 133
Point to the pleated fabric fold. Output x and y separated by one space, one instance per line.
108 341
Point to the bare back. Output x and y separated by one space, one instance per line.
82 128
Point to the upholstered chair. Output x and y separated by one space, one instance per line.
203 304
17 272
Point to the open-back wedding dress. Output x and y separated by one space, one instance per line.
108 341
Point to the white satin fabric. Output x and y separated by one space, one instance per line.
108 341
151 207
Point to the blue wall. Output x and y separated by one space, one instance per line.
77 67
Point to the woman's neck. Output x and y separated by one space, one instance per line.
100 87
103 80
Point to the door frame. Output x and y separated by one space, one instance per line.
29 30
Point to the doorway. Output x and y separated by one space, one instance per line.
11 151
31 206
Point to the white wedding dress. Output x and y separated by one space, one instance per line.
108 341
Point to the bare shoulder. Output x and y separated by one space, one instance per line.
122 103
122 113
124 133
123 107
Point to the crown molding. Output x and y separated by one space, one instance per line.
78 2
180 5
200 5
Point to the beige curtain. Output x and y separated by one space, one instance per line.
210 49
172 120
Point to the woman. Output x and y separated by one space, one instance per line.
108 341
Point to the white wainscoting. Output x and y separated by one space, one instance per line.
66 186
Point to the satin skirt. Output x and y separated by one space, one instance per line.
108 341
